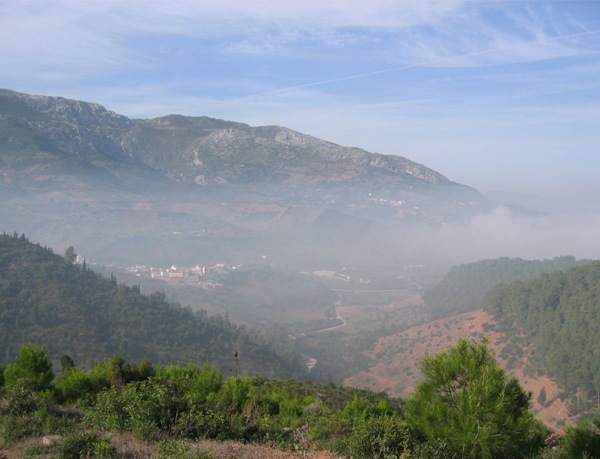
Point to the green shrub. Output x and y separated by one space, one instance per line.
78 446
200 381
172 449
39 450
25 413
16 428
31 365
332 433
103 449
582 441
107 413
75 385
203 423
22 399
434 449
234 393
471 403
383 437
145 408
176 449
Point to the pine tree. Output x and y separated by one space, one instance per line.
468 402
32 367
70 254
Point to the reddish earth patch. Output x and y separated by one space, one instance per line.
397 356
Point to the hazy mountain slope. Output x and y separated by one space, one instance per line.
203 151
63 163
462 289
46 300
50 144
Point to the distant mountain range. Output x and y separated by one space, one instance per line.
74 173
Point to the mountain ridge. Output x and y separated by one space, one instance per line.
62 162
274 146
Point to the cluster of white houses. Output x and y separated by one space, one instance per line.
196 273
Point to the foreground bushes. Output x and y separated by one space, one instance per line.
169 404
189 402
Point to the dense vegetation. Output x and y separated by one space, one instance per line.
560 314
448 405
462 289
46 299
465 408
96 329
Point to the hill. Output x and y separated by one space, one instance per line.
76 139
463 287
558 316
206 190
48 300
543 329
395 360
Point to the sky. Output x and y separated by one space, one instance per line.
497 95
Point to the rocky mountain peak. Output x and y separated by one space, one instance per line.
68 111
199 185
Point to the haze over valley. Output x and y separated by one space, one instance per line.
323 194
266 225
206 191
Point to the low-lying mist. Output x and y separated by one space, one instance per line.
164 238
504 232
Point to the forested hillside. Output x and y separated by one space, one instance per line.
559 313
45 298
462 289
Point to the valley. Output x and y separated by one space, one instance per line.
266 253
375 331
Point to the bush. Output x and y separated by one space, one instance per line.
145 408
381 437
107 413
78 446
172 449
199 381
25 413
40 450
203 423
31 365
582 441
76 385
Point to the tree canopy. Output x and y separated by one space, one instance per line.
559 314
45 298
462 289
31 367
470 404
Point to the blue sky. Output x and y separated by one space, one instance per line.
499 95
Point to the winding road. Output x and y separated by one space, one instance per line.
309 361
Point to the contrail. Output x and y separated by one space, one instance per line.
427 62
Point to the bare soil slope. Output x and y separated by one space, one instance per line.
397 357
